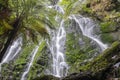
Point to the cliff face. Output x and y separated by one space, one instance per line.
80 49
107 15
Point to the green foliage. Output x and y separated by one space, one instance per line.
103 60
86 9
2 30
22 60
36 67
108 26
75 7
107 38
41 47
7 25
4 26
76 54
67 2
70 7
27 49
3 4
38 26
34 15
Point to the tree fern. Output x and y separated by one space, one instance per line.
36 15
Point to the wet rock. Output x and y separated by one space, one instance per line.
79 76
41 62
102 66
47 77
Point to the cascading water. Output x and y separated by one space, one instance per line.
33 53
87 27
13 50
59 66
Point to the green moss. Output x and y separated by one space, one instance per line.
96 65
103 60
86 9
36 68
42 45
4 27
76 53
24 54
107 38
16 67
108 26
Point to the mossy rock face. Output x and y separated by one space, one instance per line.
10 71
79 76
101 65
116 35
102 10
79 48
107 13
104 59
15 68
109 32
40 62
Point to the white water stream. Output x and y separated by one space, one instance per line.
87 27
59 66
33 53
13 50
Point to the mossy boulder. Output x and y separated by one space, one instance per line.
105 58
101 65
78 48
79 76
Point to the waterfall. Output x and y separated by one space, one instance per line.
13 50
59 66
33 53
87 28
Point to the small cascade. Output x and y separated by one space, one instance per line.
13 50
33 53
59 66
87 28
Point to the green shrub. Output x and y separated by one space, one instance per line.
107 38
108 27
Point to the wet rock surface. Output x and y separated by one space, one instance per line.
79 76
47 77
